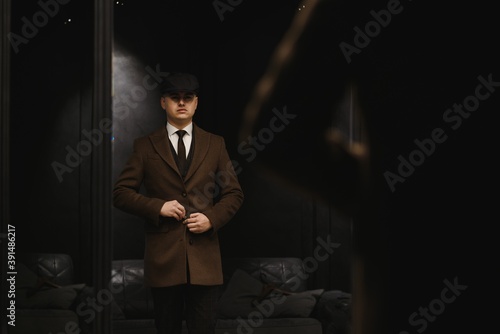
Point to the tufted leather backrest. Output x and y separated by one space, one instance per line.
58 268
287 273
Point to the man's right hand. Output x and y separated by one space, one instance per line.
173 209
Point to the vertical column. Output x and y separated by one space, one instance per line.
102 159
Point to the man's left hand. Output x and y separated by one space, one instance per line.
198 223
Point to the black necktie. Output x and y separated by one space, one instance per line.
181 152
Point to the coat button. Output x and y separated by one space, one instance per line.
184 194
190 241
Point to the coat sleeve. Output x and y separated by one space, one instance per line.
231 194
126 192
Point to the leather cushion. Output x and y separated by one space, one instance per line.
30 295
286 273
240 300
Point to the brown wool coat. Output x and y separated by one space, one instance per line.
169 245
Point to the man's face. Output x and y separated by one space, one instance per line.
180 107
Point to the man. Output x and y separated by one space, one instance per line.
188 197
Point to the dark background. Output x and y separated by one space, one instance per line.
436 225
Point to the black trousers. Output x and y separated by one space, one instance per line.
194 303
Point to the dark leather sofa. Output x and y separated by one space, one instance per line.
46 295
330 312
288 307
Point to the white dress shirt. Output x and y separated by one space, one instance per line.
187 138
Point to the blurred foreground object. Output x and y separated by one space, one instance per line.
325 149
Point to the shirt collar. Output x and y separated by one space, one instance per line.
171 129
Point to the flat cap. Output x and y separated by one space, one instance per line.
179 82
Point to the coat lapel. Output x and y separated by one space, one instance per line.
201 144
160 142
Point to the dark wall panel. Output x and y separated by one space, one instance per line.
51 105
